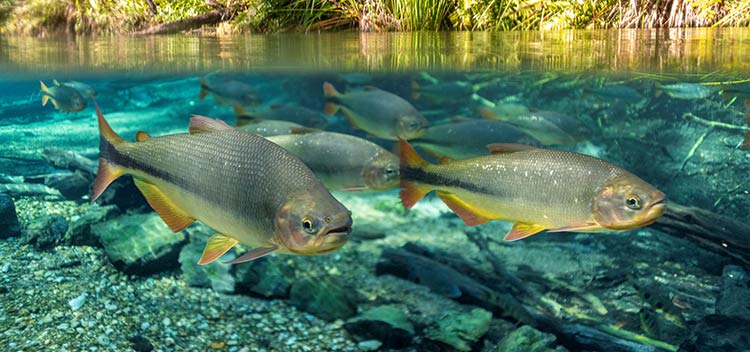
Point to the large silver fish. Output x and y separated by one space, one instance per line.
250 190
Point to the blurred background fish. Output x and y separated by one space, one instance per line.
469 137
548 127
63 98
377 112
228 91
343 162
287 112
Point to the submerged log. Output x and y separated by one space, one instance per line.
28 189
712 231
66 159
414 263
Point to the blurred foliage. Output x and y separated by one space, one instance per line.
117 16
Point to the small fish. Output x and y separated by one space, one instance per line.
247 188
453 91
268 128
83 88
343 162
615 92
469 138
292 113
64 98
687 91
660 303
537 189
548 127
377 112
649 322
228 92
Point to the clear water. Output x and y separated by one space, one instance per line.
673 283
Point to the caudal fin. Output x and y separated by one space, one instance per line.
204 90
411 163
45 93
108 142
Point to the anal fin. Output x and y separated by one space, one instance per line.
522 230
216 246
468 213
173 216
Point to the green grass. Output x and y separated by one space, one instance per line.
122 16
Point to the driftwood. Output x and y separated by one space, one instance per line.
521 303
28 189
66 159
710 230
218 15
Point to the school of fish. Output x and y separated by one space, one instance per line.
265 182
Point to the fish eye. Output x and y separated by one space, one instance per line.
307 225
633 202
390 171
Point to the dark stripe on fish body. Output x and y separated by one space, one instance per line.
433 179
110 153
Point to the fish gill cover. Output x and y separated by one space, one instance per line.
374 217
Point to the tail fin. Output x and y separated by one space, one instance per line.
108 142
45 93
411 191
330 91
243 117
415 90
488 113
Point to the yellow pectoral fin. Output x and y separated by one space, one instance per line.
217 245
470 214
522 230
173 216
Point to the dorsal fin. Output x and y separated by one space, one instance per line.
203 124
303 130
142 136
501 148
56 82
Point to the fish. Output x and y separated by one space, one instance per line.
468 138
536 189
292 113
548 127
686 91
343 162
83 88
228 91
248 189
615 92
377 112
268 128
451 91
63 98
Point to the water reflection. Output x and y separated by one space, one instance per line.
673 50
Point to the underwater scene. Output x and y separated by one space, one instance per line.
462 201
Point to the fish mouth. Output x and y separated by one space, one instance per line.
341 231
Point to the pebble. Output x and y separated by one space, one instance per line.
77 303
369 345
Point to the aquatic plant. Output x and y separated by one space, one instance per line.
112 16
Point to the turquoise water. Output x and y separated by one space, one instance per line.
670 107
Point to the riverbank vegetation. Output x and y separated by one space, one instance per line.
42 17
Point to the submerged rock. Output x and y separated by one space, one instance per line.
9 226
269 277
734 299
322 297
73 185
460 330
140 244
387 324
80 234
528 339
46 232
216 275
718 333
